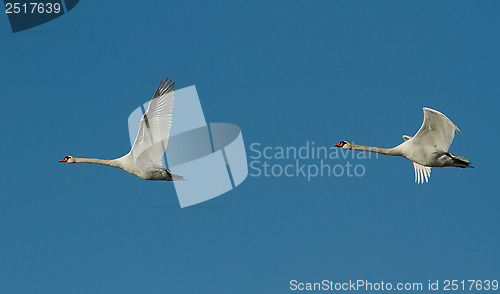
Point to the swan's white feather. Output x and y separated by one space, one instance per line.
154 131
436 131
422 173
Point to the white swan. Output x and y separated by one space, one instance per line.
145 158
428 148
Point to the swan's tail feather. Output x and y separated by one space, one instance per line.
175 177
461 161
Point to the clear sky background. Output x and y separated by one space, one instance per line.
286 73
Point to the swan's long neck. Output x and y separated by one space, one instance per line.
108 162
387 151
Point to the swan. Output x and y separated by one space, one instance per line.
145 158
428 148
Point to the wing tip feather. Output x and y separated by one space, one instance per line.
164 87
425 109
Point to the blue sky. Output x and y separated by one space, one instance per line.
285 73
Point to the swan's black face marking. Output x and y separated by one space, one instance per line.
65 159
341 144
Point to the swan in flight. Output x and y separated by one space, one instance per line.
428 148
145 158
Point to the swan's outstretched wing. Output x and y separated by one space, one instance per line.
154 129
422 173
437 130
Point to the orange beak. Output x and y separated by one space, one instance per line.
338 145
64 160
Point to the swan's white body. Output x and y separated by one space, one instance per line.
145 159
428 148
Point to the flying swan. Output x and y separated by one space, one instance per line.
428 148
145 158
